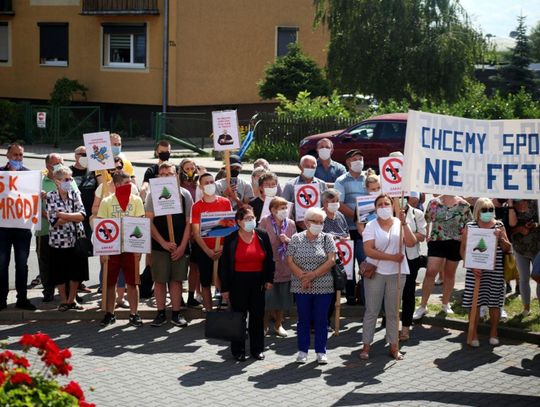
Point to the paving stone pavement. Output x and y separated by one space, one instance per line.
177 366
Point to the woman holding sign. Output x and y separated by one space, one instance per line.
492 286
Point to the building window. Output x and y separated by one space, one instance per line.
124 46
53 44
285 36
4 42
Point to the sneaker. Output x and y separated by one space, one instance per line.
504 314
281 332
178 320
75 306
193 303
108 319
419 313
122 304
159 320
494 341
447 309
438 281
135 320
25 304
525 313
475 343
322 359
217 294
301 358
35 282
79 299
483 311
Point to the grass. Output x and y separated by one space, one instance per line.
512 306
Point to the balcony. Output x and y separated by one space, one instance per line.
119 7
6 8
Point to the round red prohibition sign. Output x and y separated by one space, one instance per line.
41 116
107 231
307 196
344 252
390 170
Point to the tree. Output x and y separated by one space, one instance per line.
516 74
399 49
535 43
64 89
291 74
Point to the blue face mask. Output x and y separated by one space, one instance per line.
56 167
249 225
116 150
15 164
487 216
66 186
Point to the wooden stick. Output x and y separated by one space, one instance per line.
217 282
104 277
137 268
337 312
171 228
399 272
474 311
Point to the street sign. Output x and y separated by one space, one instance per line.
106 237
41 120
391 176
306 196
345 251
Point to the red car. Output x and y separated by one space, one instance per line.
376 137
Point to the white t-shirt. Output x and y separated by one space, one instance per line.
387 242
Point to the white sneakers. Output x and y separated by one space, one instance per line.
301 358
281 332
447 309
419 313
475 343
494 341
525 313
322 359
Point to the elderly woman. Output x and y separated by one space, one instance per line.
492 286
247 269
65 213
384 248
310 255
280 229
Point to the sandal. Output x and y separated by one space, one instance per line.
404 335
63 307
396 354
364 354
75 306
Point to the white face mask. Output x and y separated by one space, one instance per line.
83 162
315 229
249 225
282 214
309 172
333 207
384 213
324 153
270 192
210 189
375 193
357 166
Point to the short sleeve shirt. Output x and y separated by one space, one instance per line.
151 172
64 236
334 171
349 188
309 255
387 242
219 205
110 207
243 190
447 223
337 226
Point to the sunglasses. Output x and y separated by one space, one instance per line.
81 154
484 210
119 168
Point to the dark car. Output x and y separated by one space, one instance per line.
376 137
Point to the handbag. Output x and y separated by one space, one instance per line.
510 269
84 247
339 275
228 326
367 269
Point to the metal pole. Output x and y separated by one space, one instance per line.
165 55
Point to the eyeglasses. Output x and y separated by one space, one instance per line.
67 179
484 210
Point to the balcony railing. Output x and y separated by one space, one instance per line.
6 7
119 7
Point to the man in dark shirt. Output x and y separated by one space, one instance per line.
19 239
163 153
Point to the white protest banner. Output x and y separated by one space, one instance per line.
306 196
41 120
391 177
480 249
20 201
106 237
225 128
165 196
477 158
218 224
98 151
365 208
136 237
345 251
266 207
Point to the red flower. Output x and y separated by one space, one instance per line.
20 361
27 341
83 403
74 389
21 377
5 356
41 340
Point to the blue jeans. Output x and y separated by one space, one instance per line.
20 240
312 307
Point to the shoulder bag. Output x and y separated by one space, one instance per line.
367 269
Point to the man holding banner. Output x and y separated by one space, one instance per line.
15 236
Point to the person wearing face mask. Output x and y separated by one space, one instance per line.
247 270
492 286
280 230
239 192
65 214
19 240
116 147
350 186
308 166
310 256
163 153
328 170
204 249
267 188
384 245
189 174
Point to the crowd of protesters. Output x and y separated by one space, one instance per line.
272 262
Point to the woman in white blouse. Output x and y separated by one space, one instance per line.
385 250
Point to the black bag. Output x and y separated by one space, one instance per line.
145 289
422 261
83 247
339 275
227 325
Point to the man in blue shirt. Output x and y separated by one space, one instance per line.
350 185
327 169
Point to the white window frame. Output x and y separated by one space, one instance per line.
276 43
123 65
8 62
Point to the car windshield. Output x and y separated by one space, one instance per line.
390 130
